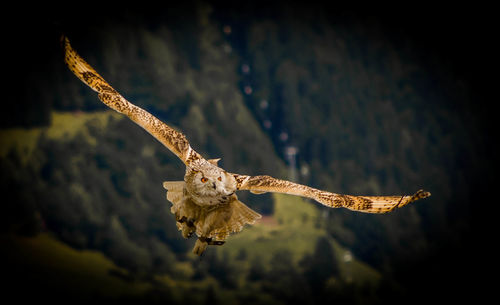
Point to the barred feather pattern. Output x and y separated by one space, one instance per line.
175 141
366 204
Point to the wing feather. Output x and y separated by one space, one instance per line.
172 139
367 204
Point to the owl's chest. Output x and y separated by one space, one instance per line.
211 200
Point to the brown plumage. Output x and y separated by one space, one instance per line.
205 203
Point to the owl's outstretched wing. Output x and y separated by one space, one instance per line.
367 204
172 139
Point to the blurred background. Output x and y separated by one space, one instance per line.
366 101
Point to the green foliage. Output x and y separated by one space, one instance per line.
320 266
283 281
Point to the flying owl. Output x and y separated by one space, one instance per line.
205 203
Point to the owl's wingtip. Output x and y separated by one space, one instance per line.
64 40
421 194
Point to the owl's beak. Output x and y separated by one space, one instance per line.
213 185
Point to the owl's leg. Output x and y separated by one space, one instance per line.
212 221
216 242
183 214
186 213
202 242
200 246
187 226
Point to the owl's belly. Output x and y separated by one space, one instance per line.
211 201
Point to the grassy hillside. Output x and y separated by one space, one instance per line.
63 126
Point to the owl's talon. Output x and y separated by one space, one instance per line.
187 230
217 242
200 246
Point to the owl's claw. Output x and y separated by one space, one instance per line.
187 230
188 227
202 242
200 247
217 242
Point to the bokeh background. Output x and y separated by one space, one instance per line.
367 101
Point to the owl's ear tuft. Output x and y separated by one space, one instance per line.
214 161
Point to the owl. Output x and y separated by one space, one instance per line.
205 203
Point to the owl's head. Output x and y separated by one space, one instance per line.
209 180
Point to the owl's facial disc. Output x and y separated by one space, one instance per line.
215 183
210 181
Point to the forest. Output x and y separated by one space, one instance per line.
371 103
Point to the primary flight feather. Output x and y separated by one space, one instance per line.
205 203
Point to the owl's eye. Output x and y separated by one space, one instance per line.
203 179
220 179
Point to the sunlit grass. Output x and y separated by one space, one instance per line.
64 126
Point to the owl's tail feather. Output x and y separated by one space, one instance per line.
240 216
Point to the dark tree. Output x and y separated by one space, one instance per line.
320 266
